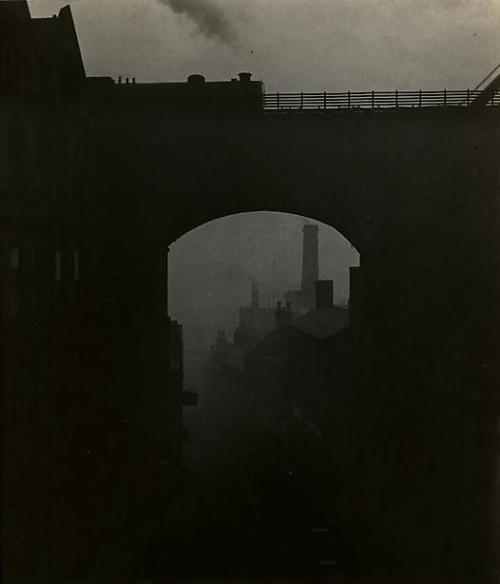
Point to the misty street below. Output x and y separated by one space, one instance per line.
264 492
245 514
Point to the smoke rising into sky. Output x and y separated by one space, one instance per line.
292 45
209 17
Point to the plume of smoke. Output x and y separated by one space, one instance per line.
208 17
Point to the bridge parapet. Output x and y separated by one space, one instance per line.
376 100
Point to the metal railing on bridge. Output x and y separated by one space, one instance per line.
376 100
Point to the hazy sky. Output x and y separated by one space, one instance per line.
211 268
291 44
309 45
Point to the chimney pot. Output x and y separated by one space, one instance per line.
196 78
245 77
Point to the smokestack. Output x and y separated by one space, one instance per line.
324 294
310 261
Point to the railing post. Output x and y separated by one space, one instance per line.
278 101
468 96
324 100
444 97
419 98
396 94
301 100
348 100
373 99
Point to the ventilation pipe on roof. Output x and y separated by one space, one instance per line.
196 78
245 77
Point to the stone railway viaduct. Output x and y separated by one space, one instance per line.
98 178
416 191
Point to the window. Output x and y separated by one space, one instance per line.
76 264
14 259
58 266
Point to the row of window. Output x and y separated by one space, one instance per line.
41 158
15 261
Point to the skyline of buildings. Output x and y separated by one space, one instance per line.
213 287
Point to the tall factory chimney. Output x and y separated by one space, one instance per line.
310 263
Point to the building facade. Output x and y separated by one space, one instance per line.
84 457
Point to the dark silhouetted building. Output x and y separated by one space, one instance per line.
86 456
238 95
49 326
255 321
303 376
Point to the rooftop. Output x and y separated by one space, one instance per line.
323 323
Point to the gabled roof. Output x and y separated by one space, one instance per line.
323 323
280 340
316 326
57 35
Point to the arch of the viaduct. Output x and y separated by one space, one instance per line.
416 192
197 221
393 183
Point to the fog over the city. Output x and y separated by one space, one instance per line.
292 45
211 268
